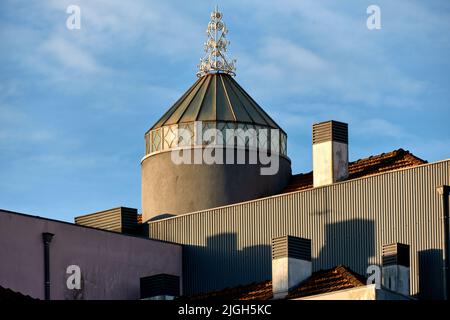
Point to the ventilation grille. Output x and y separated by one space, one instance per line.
121 219
330 131
292 247
396 254
160 285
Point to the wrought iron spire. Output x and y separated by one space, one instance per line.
215 59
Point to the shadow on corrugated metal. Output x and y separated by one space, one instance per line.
353 241
222 257
430 277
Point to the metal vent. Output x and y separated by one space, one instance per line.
330 131
160 285
396 254
121 219
292 247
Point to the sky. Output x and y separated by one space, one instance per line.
75 104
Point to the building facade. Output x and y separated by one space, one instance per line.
212 224
347 222
110 263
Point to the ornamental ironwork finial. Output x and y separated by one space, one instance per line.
215 59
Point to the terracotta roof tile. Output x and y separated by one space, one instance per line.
261 291
397 159
323 281
338 278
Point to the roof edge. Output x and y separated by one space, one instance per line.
83 226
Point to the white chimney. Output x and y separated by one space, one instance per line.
330 152
396 267
291 264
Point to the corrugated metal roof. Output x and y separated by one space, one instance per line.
216 97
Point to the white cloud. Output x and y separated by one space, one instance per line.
288 54
18 129
158 27
10 115
324 49
379 128
69 55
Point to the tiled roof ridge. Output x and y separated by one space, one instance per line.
314 284
229 290
375 164
399 151
263 287
322 281
353 277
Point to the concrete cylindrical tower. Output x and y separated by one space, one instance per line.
215 146
216 105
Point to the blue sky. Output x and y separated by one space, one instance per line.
75 104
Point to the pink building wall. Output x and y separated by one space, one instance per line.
111 264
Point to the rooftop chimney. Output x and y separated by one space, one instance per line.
396 267
330 152
291 264
160 287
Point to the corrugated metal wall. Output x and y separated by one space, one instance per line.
347 222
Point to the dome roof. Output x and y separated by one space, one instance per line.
216 97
